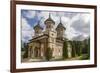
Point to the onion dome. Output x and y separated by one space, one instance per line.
49 20
38 26
60 25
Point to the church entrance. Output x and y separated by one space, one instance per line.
37 52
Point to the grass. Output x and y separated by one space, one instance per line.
84 57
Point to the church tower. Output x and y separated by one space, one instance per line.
50 31
60 30
38 29
49 23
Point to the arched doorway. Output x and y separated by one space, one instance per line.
37 52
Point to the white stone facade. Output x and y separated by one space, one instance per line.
50 38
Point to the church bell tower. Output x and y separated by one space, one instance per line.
49 23
60 30
51 32
38 29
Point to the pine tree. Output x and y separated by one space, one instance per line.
78 47
73 48
88 48
26 50
65 50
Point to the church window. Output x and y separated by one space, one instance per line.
53 40
59 51
52 49
48 26
37 31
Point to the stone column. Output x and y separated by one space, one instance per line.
42 50
29 52
45 47
32 52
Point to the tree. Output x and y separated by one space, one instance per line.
73 45
48 54
78 47
22 46
65 50
89 48
86 49
26 50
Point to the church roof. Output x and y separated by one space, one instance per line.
35 38
49 19
38 26
60 25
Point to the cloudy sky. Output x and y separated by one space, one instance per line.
77 24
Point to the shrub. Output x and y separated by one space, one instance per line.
48 54
65 51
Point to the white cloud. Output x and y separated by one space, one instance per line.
27 31
80 24
29 14
76 23
86 17
43 14
65 19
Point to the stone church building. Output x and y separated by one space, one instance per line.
52 38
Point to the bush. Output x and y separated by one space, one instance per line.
65 51
26 53
73 48
84 57
25 49
48 54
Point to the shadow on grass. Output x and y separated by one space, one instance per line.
85 57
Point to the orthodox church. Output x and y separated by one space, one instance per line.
52 38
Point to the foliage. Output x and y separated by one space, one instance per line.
48 54
79 48
84 57
87 45
65 50
88 48
76 48
26 50
73 48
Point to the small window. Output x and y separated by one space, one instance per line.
53 40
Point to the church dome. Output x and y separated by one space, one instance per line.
49 20
38 26
60 25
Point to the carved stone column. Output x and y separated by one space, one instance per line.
45 46
29 52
